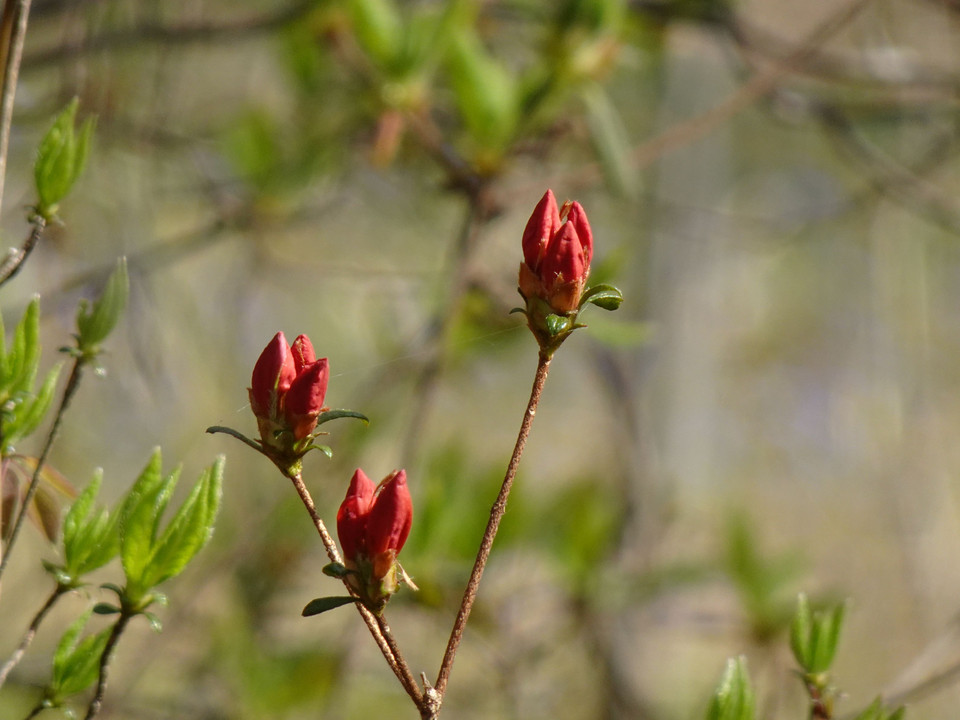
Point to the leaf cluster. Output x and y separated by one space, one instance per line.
22 406
61 157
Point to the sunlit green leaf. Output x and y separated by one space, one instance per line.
96 321
733 698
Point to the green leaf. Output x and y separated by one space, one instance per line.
138 517
321 605
34 411
103 608
335 570
733 698
189 529
378 28
94 323
800 630
486 93
814 635
606 297
556 324
80 668
61 157
337 414
876 711
90 539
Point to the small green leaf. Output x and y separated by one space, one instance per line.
337 414
814 635
321 605
378 28
325 449
61 157
94 323
733 698
138 517
33 411
876 711
335 570
800 629
103 608
154 621
556 324
80 667
606 297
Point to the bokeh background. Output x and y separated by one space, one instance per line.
774 409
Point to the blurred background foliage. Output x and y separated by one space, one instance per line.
773 186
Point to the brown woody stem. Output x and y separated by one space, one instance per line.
493 524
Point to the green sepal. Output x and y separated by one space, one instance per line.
96 321
321 605
337 414
325 449
733 699
102 608
603 296
335 570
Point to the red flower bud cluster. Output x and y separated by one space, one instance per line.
287 391
373 524
557 249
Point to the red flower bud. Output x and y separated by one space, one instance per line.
287 391
391 515
557 250
352 516
542 225
304 399
272 376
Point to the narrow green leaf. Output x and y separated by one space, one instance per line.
189 529
81 667
321 605
33 412
825 637
77 515
138 516
335 570
800 630
96 321
337 414
60 159
378 28
103 608
606 297
733 698
69 639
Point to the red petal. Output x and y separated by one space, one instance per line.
577 217
303 354
304 399
391 515
272 376
542 225
352 516
564 260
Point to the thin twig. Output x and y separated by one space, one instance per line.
388 648
31 632
15 12
496 514
97 702
14 261
68 394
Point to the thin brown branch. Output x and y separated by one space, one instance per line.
493 524
13 32
118 627
31 633
14 261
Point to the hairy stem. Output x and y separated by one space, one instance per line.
97 702
31 632
14 261
493 524
68 393
377 626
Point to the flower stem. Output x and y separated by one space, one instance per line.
493 524
31 632
377 625
68 393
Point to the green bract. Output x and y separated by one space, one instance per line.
60 159
150 556
21 407
733 698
